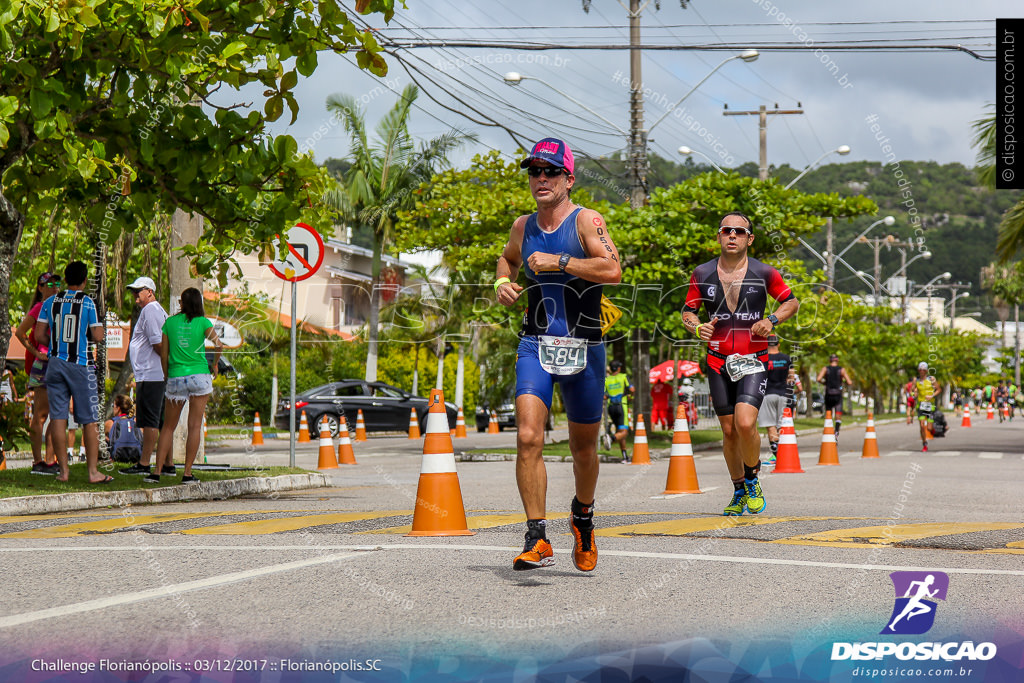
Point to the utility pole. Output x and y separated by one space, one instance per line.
762 126
637 138
952 302
830 258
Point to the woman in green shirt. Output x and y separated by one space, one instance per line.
189 378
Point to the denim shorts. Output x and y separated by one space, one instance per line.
181 389
65 381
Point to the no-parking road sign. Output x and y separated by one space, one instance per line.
305 254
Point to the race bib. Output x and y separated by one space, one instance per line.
926 406
739 366
562 355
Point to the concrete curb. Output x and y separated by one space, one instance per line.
205 490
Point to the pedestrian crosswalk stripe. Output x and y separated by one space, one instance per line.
990 456
119 523
894 454
944 454
273 526
871 536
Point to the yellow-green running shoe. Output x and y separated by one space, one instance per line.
754 498
739 501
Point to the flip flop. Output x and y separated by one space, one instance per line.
105 480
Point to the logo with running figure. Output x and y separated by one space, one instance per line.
916 593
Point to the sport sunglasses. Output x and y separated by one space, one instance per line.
549 171
729 230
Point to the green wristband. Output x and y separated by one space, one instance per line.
499 282
696 330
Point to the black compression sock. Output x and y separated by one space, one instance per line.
536 528
738 485
751 472
582 515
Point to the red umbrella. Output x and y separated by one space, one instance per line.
664 372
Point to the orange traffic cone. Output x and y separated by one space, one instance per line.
990 415
829 453
439 509
682 475
966 422
787 457
327 460
257 432
414 425
303 429
460 425
346 456
870 440
492 425
1006 412
360 426
3 457
641 453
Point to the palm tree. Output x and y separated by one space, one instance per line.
384 178
1011 230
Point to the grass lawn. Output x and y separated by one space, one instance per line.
21 481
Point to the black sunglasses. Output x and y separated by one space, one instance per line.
549 171
729 230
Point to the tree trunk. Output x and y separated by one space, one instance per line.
11 225
641 376
99 295
372 323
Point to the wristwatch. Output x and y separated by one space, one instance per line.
563 261
773 320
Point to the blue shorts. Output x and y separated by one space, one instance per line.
582 393
65 381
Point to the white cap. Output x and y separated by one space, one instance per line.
922 366
143 283
687 381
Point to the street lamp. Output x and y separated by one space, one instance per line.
684 150
747 56
841 150
929 287
889 222
952 308
515 78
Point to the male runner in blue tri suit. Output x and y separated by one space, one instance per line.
734 290
567 255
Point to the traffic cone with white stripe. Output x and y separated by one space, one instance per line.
966 422
641 452
460 425
682 474
326 461
414 425
990 415
360 426
303 429
870 449
829 453
787 457
492 424
346 456
439 509
257 431
1006 412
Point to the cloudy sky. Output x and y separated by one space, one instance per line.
924 99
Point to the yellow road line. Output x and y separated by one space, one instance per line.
54 515
273 526
491 521
117 523
871 536
681 527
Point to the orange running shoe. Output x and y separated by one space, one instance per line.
536 553
584 550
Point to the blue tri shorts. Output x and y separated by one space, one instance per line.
582 393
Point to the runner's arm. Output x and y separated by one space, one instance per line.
509 263
602 263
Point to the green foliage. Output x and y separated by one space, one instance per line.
13 427
104 118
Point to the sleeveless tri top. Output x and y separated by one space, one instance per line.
558 303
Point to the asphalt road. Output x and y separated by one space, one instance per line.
328 575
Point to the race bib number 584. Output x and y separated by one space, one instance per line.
562 355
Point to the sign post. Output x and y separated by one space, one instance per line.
305 256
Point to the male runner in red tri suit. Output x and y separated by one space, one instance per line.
734 290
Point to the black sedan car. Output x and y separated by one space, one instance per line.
385 408
506 416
